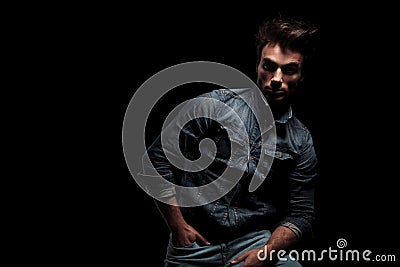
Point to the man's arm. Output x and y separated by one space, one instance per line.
299 219
182 233
301 213
282 238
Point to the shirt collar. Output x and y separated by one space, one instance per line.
285 116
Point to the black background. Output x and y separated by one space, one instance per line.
349 106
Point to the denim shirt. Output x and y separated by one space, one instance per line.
285 197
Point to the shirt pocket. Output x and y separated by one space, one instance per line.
283 161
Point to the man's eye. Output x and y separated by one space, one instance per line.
268 66
290 70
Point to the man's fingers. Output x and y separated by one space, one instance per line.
239 259
202 239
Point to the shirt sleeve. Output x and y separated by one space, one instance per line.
301 212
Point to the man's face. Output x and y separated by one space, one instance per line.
278 73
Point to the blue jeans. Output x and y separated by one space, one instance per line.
219 254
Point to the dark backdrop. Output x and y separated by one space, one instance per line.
349 106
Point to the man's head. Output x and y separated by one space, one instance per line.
284 47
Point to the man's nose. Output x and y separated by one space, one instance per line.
275 85
276 81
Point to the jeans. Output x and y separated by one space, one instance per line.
197 255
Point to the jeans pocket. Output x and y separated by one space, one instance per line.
193 245
185 251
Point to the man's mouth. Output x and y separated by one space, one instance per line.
274 91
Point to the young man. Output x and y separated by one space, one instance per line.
244 228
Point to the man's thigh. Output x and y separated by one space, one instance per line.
254 240
197 255
194 255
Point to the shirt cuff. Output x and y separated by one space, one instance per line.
167 192
156 186
294 228
300 226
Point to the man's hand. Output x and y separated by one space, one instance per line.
185 235
255 258
182 233
281 238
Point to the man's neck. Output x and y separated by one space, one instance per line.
278 109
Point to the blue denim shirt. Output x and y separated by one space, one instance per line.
286 196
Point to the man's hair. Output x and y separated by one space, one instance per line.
289 33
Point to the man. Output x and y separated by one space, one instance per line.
243 228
